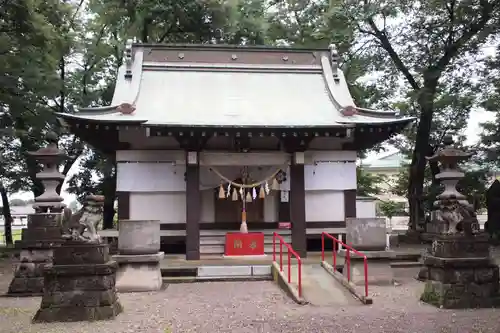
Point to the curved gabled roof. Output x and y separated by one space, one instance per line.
213 86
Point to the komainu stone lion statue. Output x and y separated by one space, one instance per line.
456 217
85 220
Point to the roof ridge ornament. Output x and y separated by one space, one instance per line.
349 111
125 108
335 61
128 59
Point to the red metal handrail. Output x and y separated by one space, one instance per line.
290 252
347 257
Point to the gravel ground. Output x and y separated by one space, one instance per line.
253 307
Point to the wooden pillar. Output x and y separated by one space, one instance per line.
298 205
350 203
193 206
123 205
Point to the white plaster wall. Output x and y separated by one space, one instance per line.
324 206
207 205
326 175
167 207
158 189
366 208
271 207
150 177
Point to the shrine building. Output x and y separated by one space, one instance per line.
206 136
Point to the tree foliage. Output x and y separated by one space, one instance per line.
369 184
425 52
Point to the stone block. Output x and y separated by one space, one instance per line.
73 314
69 283
139 277
366 233
457 246
30 269
42 233
26 286
214 271
79 292
82 270
36 255
141 258
460 296
487 274
261 270
139 237
76 254
138 273
78 297
457 263
44 220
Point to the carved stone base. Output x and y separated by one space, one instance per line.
80 286
460 273
28 276
138 273
36 247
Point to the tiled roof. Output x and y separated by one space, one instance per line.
207 86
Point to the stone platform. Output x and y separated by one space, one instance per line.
138 273
80 286
460 273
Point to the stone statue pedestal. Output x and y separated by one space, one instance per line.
80 285
138 273
368 235
38 240
139 257
460 273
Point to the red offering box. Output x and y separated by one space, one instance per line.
240 244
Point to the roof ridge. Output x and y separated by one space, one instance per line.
270 48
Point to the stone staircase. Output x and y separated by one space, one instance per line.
212 242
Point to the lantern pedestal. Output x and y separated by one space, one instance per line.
244 244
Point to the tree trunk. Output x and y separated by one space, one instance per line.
417 169
6 216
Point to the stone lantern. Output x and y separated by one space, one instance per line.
50 156
44 230
458 269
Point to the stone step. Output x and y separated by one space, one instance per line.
267 232
177 272
179 279
220 249
405 269
221 240
405 264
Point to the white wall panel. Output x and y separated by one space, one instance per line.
176 156
150 177
366 208
271 207
330 176
207 205
244 159
324 206
312 156
167 207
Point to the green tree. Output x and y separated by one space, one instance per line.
29 38
433 47
369 184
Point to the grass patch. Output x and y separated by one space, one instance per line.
16 236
